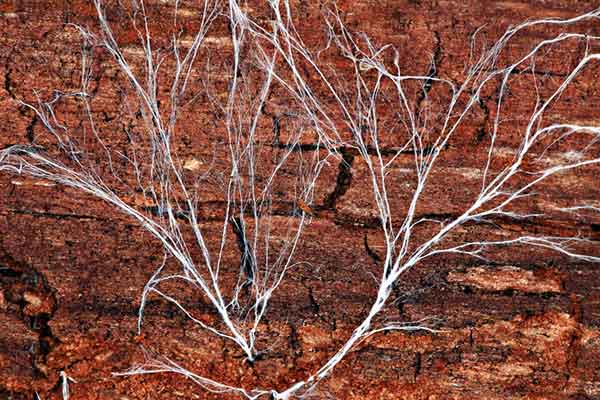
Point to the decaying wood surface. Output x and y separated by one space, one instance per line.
71 269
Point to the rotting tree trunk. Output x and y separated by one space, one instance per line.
72 270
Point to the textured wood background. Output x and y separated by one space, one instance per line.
72 269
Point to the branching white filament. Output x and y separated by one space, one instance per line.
343 113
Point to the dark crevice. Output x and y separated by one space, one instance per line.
314 305
294 342
344 179
107 118
508 292
58 216
417 365
372 254
519 71
375 223
276 129
296 147
370 149
276 119
278 208
393 151
161 212
482 103
507 223
7 272
23 110
431 74
246 259
486 118
439 216
30 128
96 78
310 147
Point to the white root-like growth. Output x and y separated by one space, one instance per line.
153 187
352 109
